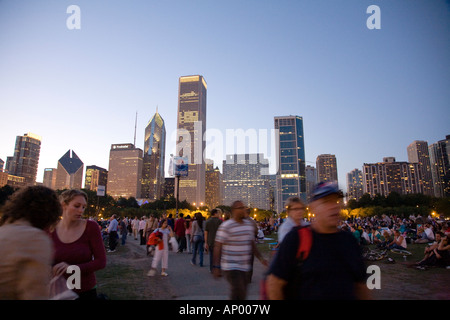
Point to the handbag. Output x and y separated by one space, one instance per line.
174 244
59 289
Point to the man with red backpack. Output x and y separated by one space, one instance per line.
320 261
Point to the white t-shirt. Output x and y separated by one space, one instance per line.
429 233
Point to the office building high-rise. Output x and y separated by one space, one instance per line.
25 161
244 179
169 188
95 176
213 186
418 153
355 188
153 161
440 167
191 126
69 172
291 171
49 180
391 176
311 180
125 171
326 168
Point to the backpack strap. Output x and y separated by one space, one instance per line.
305 239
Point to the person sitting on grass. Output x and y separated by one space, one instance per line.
440 256
385 240
429 250
399 241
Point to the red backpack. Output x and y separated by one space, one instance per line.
305 239
154 238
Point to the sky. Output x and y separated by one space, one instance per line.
364 94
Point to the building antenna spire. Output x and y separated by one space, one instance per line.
135 126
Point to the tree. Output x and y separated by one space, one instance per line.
365 201
393 199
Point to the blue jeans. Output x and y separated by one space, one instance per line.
198 246
396 246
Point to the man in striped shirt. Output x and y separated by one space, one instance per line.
234 249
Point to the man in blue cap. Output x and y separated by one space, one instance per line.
333 267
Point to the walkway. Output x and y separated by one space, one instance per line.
196 283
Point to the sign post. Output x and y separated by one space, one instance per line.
100 193
180 169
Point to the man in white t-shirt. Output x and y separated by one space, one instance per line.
234 249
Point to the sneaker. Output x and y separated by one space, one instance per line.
111 250
192 262
421 268
164 274
151 273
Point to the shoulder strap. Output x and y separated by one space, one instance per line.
305 239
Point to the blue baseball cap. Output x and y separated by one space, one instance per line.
324 189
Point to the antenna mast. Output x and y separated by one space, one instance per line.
135 126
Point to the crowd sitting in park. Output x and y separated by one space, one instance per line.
391 232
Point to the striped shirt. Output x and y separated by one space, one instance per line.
236 239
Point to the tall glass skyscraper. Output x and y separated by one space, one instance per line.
291 172
191 126
153 161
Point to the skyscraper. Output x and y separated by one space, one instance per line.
191 126
291 172
355 188
440 167
125 171
311 180
49 180
418 153
213 186
69 172
25 161
95 176
153 161
244 179
391 176
326 168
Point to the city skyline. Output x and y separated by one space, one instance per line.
363 94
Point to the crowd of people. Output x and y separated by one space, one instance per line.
54 237
392 232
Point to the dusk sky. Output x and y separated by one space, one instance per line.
363 94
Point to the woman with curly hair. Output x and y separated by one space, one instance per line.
78 241
26 250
